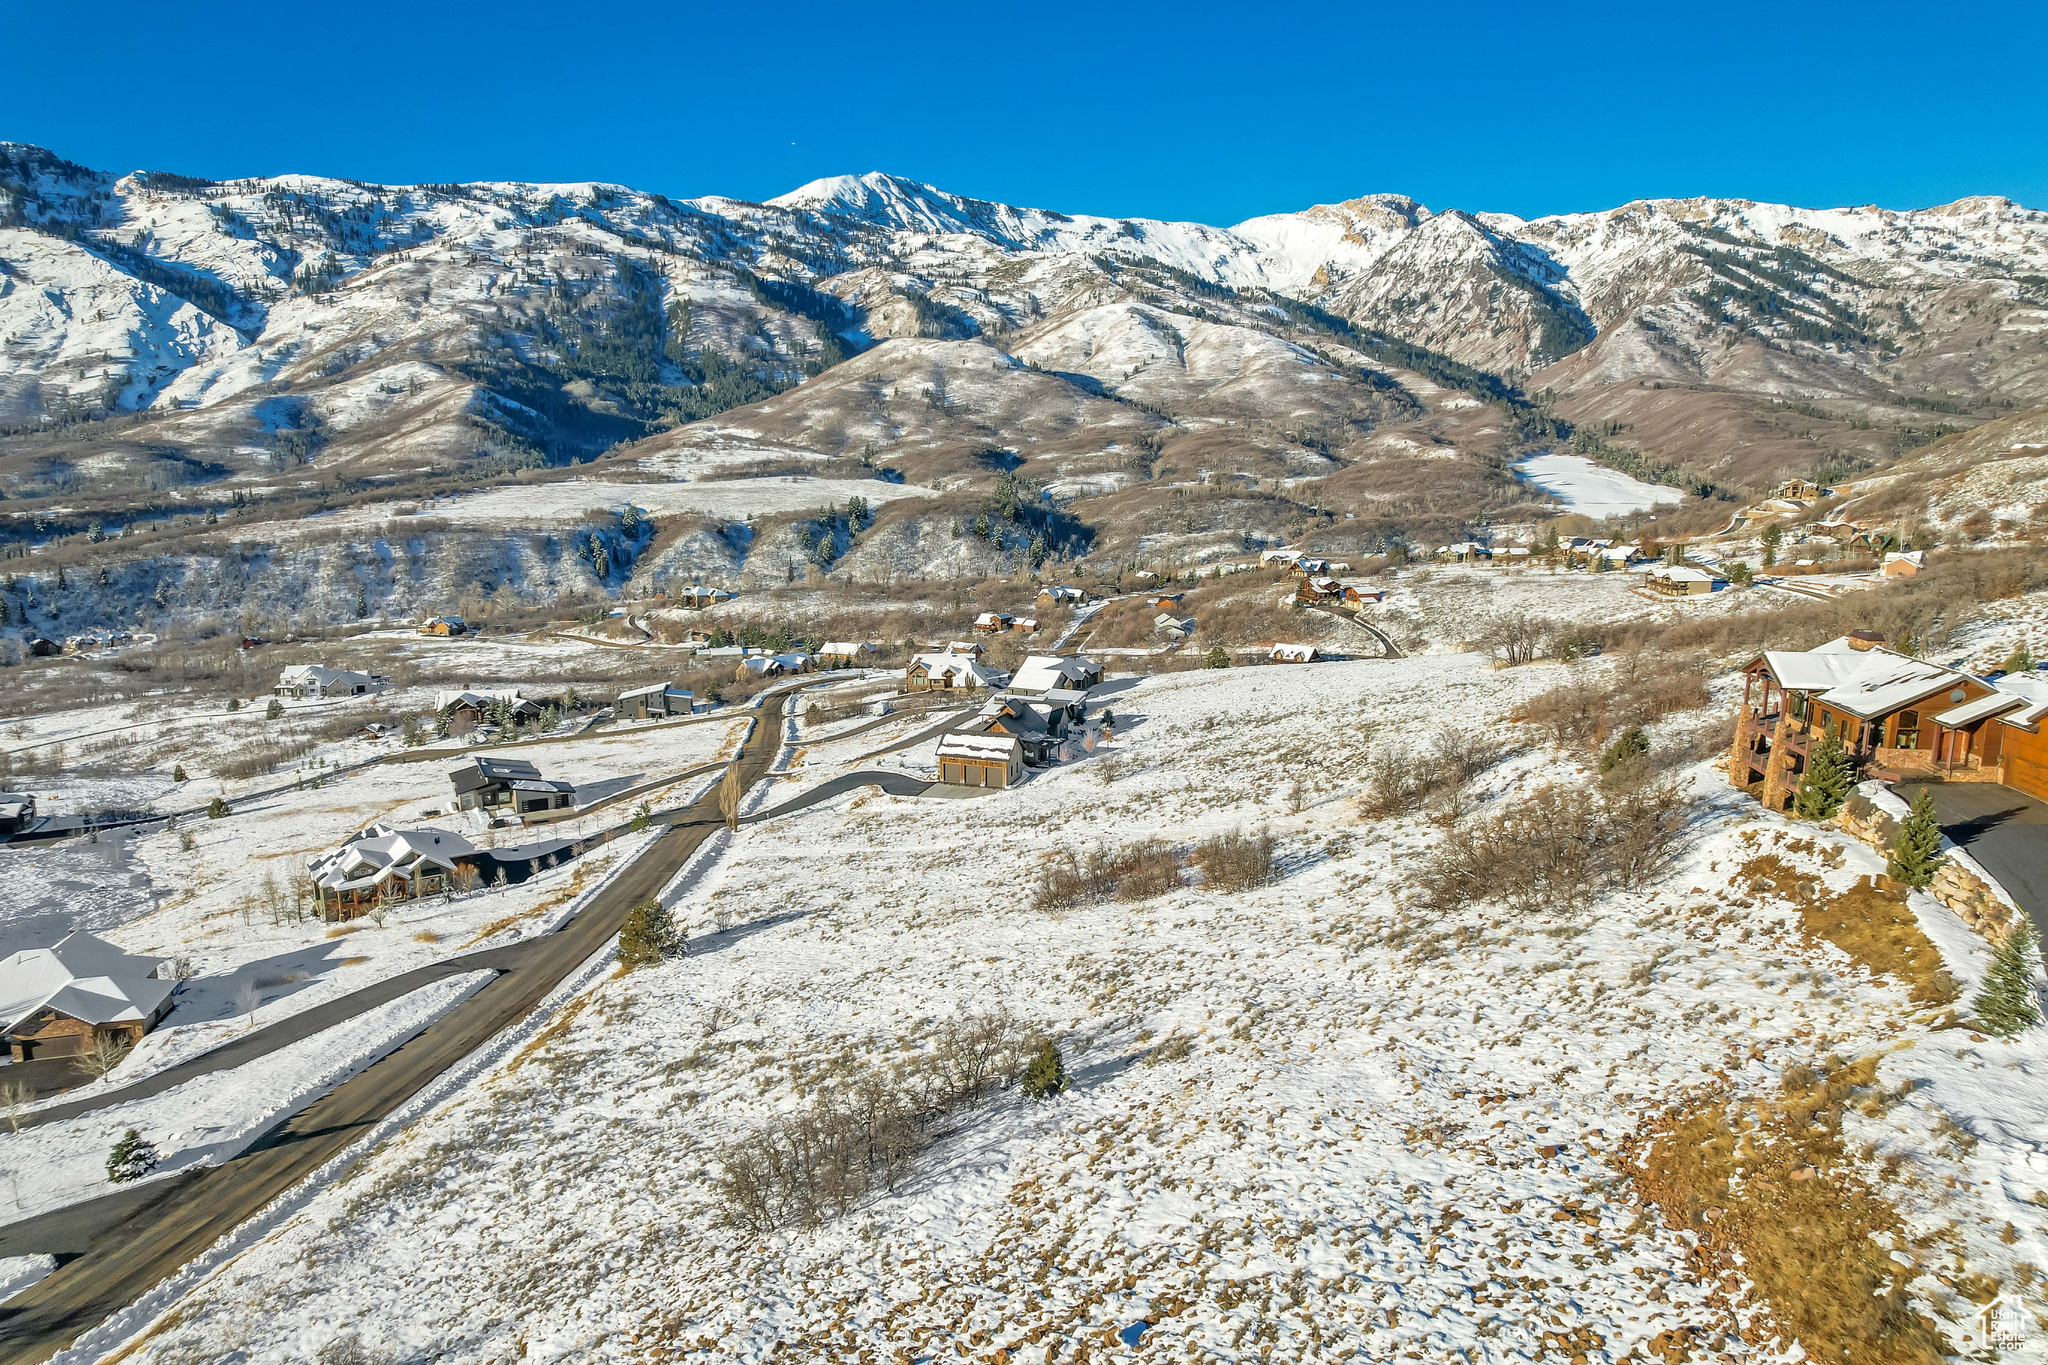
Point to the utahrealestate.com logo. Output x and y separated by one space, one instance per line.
2004 1325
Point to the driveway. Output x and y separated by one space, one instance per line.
2006 831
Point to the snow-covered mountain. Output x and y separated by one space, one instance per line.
168 340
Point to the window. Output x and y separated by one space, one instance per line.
1798 706
1907 735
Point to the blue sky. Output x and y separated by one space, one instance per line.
1208 112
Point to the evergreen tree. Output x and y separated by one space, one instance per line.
648 936
1825 785
274 710
2021 660
1774 534
362 601
2007 1004
216 809
1219 657
178 773
1046 1075
1917 852
1739 574
133 1157
1630 743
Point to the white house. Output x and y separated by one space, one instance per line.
59 1001
317 681
1292 654
845 653
380 862
1042 673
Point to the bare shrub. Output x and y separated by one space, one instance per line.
1556 848
1134 872
803 1168
1398 779
1515 639
1572 712
1235 861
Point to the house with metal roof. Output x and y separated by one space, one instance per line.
60 1001
507 786
1894 715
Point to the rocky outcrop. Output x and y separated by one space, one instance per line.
1872 816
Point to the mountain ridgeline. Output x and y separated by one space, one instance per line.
176 345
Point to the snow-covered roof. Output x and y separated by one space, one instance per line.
988 746
657 689
380 853
2032 690
83 977
1990 705
962 670
991 618
1917 558
320 675
845 647
1680 573
1864 682
1294 654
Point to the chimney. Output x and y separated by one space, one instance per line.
1865 639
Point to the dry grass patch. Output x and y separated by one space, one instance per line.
1767 1196
340 929
1873 925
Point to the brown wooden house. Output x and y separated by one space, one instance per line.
60 1001
1896 716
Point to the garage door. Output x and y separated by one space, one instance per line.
2026 762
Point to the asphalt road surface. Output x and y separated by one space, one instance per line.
125 1257
2006 831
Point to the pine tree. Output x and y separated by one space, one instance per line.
274 710
1630 743
2021 660
133 1157
1774 534
648 936
1826 784
216 809
1219 657
1917 852
1046 1075
2007 1004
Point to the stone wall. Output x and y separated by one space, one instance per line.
1872 816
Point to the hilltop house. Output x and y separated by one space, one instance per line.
653 701
507 786
1894 715
1045 673
381 863
1682 580
307 681
1060 597
845 654
697 596
1904 564
60 1001
951 670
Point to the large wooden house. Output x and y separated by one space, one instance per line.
60 1001
383 864
953 670
1896 716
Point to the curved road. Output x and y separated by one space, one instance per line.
1392 651
135 1239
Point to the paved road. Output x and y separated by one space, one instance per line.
2006 831
125 1257
1392 651
895 784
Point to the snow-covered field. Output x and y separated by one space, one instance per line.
210 1118
1312 1120
217 894
1592 489
556 504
